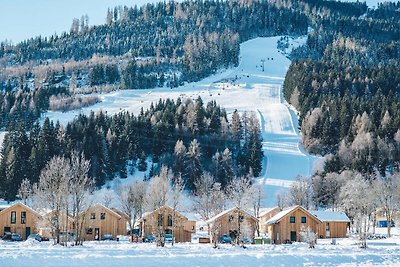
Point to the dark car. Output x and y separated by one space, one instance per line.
225 239
149 239
12 237
37 237
107 237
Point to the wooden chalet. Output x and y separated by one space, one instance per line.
20 219
227 223
164 220
100 221
285 226
264 216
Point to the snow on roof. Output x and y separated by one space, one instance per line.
330 216
227 212
285 212
104 207
24 206
264 211
280 215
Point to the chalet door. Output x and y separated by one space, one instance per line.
293 236
27 232
96 233
7 229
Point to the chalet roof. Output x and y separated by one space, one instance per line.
285 212
266 211
330 216
121 213
22 205
146 214
105 208
229 211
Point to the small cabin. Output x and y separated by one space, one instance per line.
227 223
334 223
164 219
287 225
20 219
100 221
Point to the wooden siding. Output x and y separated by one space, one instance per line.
337 229
31 220
264 228
112 224
228 223
182 228
281 231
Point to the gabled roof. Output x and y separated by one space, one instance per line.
121 213
278 217
146 214
330 216
105 208
22 205
229 211
265 211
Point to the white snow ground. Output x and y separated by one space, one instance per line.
253 90
112 253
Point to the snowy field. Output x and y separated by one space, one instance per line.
245 88
112 253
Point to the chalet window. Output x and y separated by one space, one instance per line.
93 216
160 219
241 218
13 217
292 219
102 216
169 220
327 227
89 231
303 220
230 218
23 217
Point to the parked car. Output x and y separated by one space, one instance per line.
169 238
37 237
149 239
12 237
107 237
225 239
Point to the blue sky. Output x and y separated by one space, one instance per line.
22 19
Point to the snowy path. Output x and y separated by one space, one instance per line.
253 90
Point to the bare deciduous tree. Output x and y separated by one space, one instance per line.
132 199
79 186
25 190
51 192
239 192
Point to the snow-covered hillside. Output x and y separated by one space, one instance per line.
245 88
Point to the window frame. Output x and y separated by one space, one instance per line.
102 216
93 216
23 217
13 217
170 221
305 219
292 219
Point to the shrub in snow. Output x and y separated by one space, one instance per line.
307 235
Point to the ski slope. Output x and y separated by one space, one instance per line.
246 88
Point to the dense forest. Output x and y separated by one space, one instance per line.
155 45
189 137
345 84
